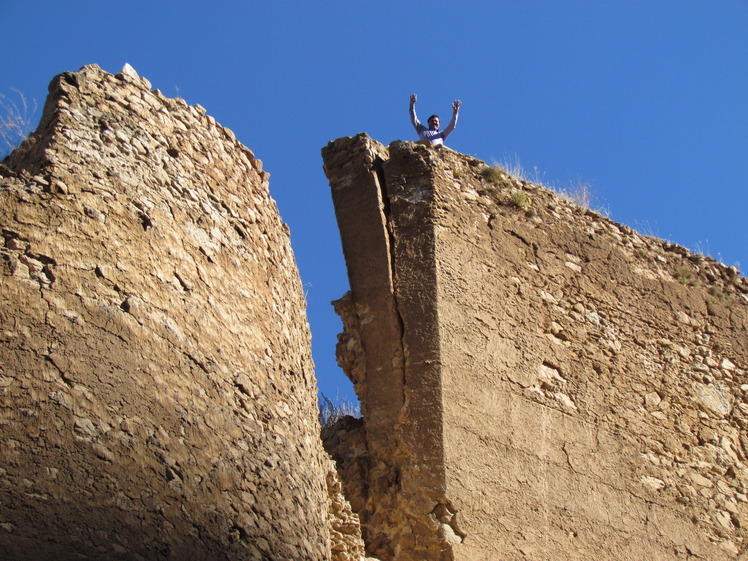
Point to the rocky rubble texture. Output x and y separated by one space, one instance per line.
157 395
538 382
346 543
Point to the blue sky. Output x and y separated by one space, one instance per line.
645 101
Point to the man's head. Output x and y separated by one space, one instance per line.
434 122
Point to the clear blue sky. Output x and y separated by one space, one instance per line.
646 101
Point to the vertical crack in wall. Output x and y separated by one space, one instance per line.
411 181
386 212
351 166
384 215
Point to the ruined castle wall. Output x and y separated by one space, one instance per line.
581 367
157 396
390 350
588 390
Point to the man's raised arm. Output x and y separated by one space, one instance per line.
453 123
413 119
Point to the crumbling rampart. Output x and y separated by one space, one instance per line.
157 394
537 381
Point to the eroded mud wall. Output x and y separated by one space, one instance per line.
157 396
586 394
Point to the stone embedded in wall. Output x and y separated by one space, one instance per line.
157 394
565 387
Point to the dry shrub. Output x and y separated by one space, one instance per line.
16 119
331 411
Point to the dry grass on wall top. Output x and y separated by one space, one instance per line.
331 411
16 118
578 193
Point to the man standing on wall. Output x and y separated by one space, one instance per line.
433 134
